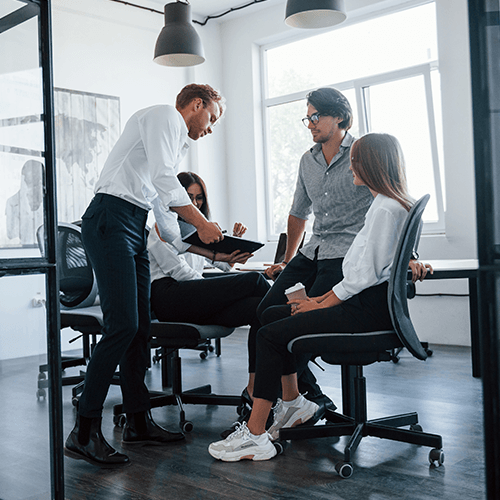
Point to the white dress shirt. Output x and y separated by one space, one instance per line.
143 163
368 261
166 262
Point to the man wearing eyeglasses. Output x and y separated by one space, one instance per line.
324 187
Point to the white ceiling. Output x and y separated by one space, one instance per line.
204 8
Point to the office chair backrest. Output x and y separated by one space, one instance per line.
398 302
77 284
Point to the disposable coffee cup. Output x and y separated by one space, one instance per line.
296 292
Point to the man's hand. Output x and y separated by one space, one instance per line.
272 272
210 232
419 270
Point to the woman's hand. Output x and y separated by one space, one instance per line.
237 257
239 229
419 270
301 306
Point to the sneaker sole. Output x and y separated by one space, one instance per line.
229 457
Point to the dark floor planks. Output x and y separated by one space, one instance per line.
441 389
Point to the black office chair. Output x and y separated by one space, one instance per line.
281 247
169 337
353 351
78 296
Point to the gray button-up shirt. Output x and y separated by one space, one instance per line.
338 205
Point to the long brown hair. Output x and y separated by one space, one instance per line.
189 178
377 159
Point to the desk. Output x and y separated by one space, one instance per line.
458 269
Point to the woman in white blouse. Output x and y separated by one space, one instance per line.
357 304
179 292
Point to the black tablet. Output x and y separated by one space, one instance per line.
228 245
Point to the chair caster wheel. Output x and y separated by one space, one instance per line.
395 359
428 352
203 355
120 420
40 394
186 426
416 427
344 469
436 455
280 447
211 348
74 402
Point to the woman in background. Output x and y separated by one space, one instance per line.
179 292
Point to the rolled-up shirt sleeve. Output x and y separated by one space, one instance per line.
369 260
302 204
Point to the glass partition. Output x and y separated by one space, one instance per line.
30 359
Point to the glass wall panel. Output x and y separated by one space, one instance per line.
21 132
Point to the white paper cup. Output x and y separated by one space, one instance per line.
296 292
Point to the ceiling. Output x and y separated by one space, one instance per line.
204 8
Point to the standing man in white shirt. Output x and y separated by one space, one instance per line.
140 170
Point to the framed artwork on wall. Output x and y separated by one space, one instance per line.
87 126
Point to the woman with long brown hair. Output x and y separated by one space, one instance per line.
357 304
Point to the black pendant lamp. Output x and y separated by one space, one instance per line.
314 13
178 43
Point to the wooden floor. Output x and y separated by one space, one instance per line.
441 389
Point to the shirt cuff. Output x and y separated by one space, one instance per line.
341 292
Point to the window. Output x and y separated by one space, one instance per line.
387 68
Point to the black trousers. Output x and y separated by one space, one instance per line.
114 236
230 300
365 312
318 276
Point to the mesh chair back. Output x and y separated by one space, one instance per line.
398 302
77 284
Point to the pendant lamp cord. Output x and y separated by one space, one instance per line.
232 9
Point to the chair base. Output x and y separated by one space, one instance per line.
198 396
384 428
357 425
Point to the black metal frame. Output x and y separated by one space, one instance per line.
483 19
46 265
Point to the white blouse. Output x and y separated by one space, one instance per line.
166 262
368 261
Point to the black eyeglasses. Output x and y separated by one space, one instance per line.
314 118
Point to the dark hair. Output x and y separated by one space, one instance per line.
377 159
329 101
189 178
206 93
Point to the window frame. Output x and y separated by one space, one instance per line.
361 88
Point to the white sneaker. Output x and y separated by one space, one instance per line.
242 444
287 415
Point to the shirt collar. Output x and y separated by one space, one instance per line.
346 143
184 128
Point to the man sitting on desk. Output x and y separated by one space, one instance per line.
324 187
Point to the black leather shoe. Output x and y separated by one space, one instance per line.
154 435
97 451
